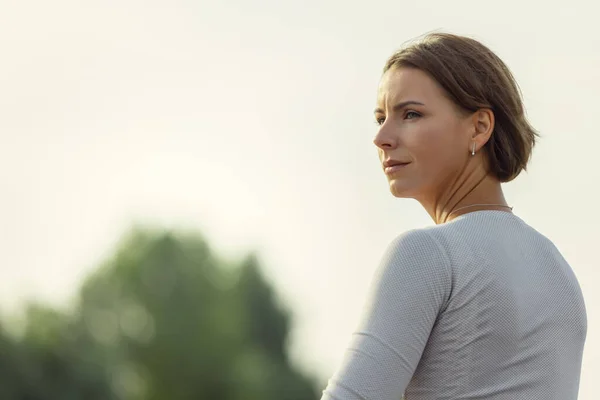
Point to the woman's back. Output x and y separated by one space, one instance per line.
515 324
482 307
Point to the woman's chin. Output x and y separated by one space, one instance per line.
399 190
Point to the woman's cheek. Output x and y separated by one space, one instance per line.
425 144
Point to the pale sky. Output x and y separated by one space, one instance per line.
252 122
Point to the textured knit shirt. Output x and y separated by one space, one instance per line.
482 307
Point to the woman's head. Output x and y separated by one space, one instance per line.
437 99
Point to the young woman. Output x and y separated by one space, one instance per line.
479 305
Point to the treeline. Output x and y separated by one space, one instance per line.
162 319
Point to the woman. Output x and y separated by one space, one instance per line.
480 305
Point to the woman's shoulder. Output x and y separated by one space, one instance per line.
476 226
436 241
416 256
421 245
416 238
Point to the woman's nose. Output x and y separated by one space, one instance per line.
385 139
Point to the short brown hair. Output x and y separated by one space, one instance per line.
473 78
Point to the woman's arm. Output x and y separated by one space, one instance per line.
410 287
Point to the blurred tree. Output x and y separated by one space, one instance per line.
161 319
10 367
44 364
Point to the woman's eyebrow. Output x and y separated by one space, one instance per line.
400 106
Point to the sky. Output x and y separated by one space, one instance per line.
252 122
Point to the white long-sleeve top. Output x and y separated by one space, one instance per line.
483 307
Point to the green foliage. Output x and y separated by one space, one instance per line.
162 319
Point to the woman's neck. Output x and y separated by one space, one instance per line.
476 188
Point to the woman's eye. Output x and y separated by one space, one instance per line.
380 121
412 115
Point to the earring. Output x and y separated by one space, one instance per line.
473 150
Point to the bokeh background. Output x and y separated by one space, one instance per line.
191 205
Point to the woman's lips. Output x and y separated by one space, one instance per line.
394 168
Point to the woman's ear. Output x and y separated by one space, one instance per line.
481 126
483 122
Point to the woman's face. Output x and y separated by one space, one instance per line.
421 128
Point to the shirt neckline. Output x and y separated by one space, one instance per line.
463 216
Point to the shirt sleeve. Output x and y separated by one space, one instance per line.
411 285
